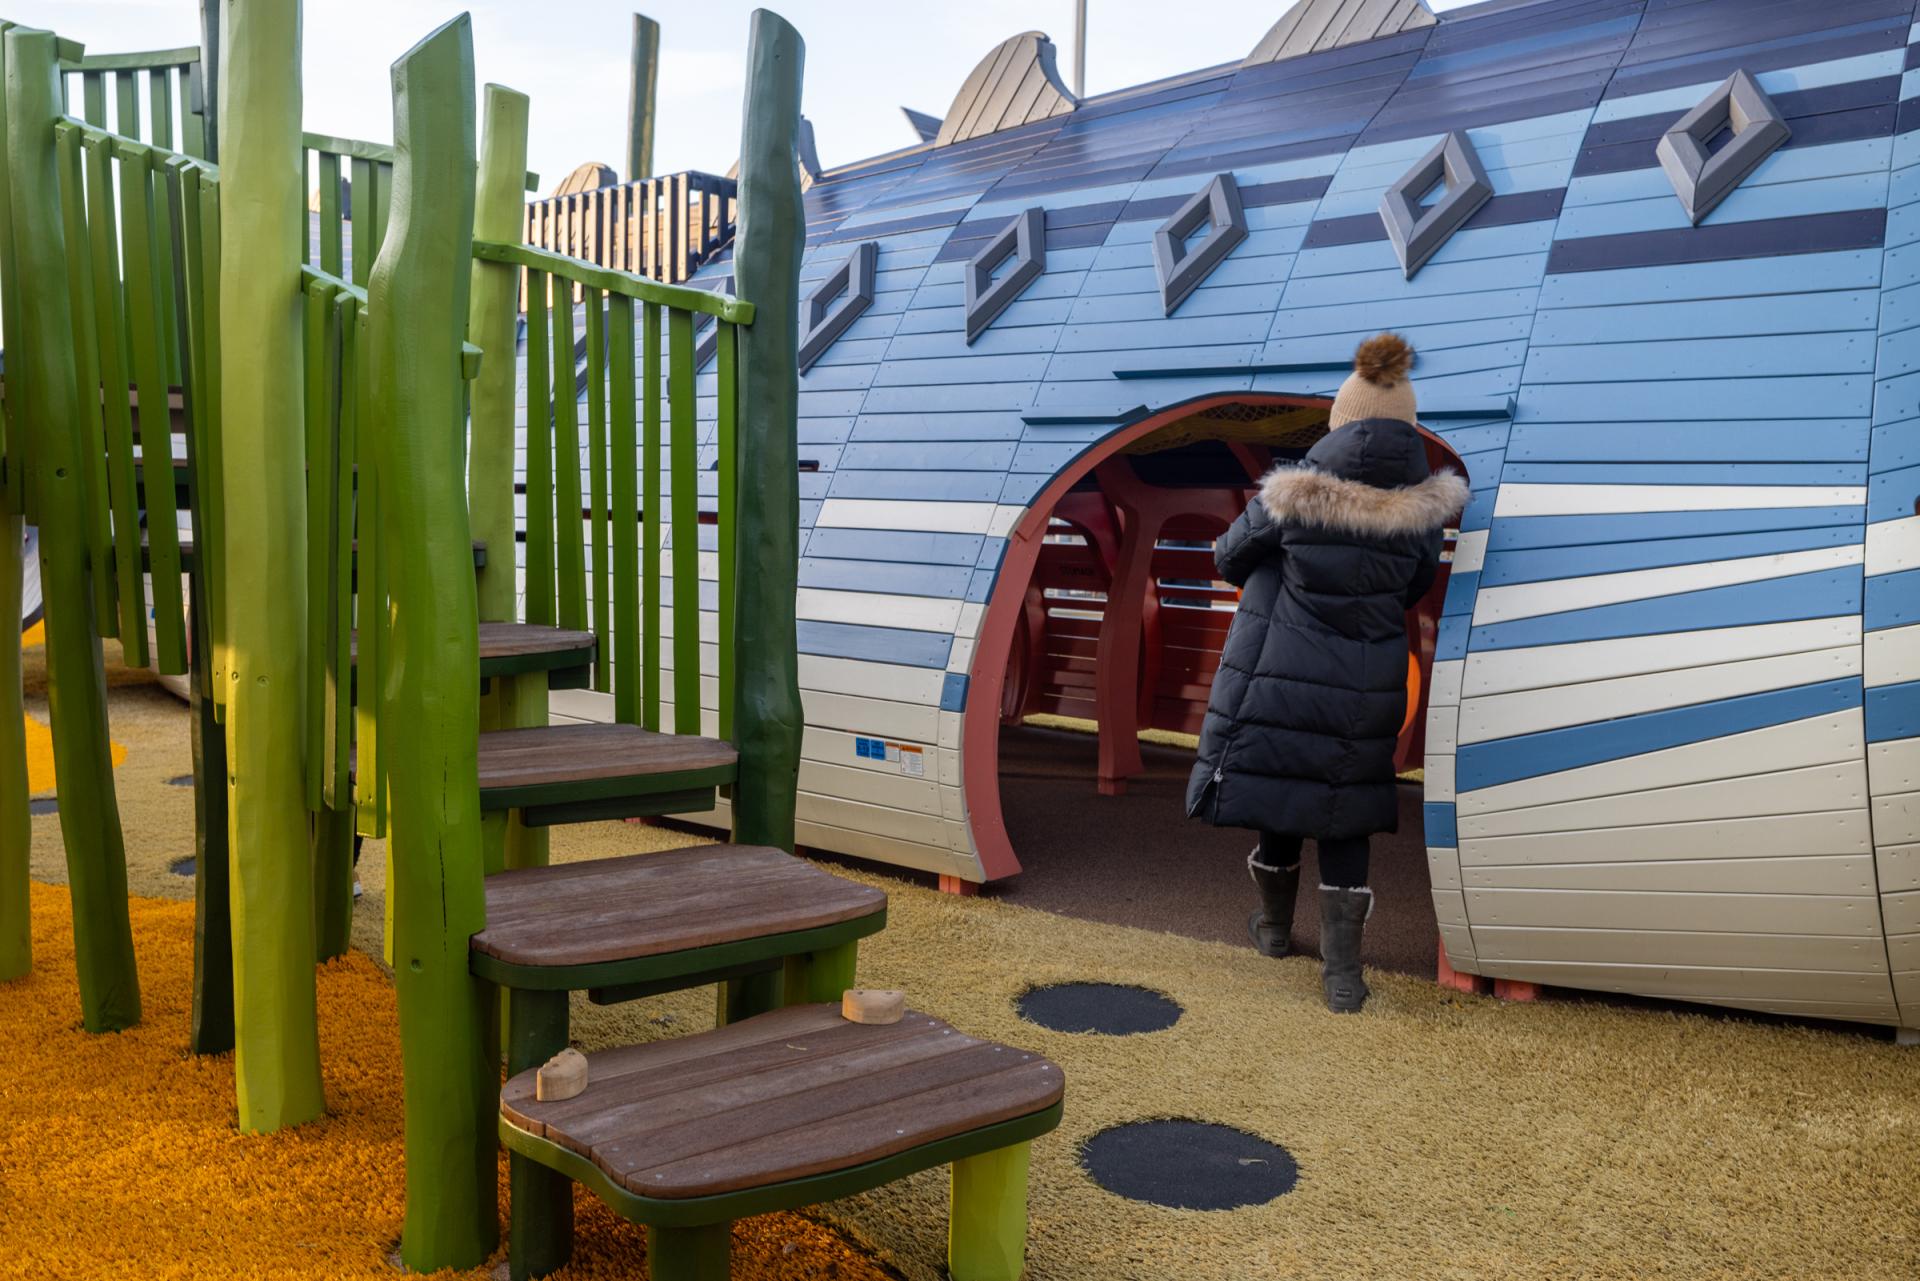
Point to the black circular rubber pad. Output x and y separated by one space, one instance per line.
43 805
1189 1165
1110 1009
183 866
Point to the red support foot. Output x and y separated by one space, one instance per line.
1112 786
1516 990
1447 976
954 885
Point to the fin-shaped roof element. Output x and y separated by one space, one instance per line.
1418 231
1755 128
1016 84
1215 206
1024 239
837 302
1312 25
928 127
590 176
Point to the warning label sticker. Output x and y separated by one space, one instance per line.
905 757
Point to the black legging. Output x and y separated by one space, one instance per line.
1343 863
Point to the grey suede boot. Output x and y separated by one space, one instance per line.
1343 915
1271 926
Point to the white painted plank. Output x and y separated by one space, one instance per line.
1893 545
1449 907
1852 914
1833 832
1788 874
1823 992
1894 767
1899 869
1470 551
1893 654
1532 711
1439 778
895 682
901 514
1801 791
1859 955
1446 682
1530 499
1529 600
1896 818
871 716
1901 912
1458 942
1442 724
1548 666
1443 867
878 609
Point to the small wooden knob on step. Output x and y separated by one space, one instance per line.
872 1005
561 1077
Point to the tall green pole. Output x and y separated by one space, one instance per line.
16 829
262 228
499 213
643 90
767 250
417 306
40 373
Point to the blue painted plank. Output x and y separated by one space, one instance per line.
1817 440
1797 273
1672 473
906 547
1892 495
1511 533
947 426
953 693
1893 600
1827 312
935 455
945 582
874 644
1547 564
1825 594
1442 827
1895 445
1626 360
1533 755
971 486
1893 712
1706 399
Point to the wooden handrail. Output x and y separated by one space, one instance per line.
679 297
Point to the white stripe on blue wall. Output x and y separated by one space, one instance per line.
1800 791
1817 740
1893 546
1547 666
1531 711
930 517
915 613
1530 600
1893 655
1593 500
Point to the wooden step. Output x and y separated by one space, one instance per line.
512 649
648 905
579 773
794 1094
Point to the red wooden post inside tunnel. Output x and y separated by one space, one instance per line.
1144 510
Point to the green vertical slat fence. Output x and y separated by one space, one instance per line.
726 426
652 516
684 455
320 471
597 478
330 258
339 744
568 551
93 459
211 551
539 519
625 640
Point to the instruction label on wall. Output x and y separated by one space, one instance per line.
908 758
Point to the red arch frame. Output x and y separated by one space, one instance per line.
980 725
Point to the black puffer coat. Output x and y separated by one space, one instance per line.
1311 691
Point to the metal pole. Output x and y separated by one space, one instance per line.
1079 48
643 87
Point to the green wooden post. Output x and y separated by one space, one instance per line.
987 1216
417 315
767 715
643 87
40 372
16 923
492 321
689 1254
263 440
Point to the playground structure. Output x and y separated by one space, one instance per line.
1655 256
314 384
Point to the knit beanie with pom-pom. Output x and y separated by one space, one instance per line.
1378 387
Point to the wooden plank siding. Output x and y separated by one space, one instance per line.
1684 594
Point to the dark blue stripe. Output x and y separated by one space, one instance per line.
1547 564
1825 594
894 545
1442 823
1893 711
946 582
1501 211
1679 473
1511 532
953 693
1762 238
875 644
1508 760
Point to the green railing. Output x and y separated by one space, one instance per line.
176 96
136 217
354 183
614 532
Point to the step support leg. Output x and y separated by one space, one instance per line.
987 1218
689 1254
540 1215
755 994
821 976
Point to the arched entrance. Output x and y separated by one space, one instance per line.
1107 608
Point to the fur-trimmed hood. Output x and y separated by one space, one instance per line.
1305 495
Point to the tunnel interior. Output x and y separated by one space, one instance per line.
1118 635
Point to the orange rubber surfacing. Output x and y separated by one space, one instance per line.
119 1156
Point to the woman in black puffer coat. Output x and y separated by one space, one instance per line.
1311 692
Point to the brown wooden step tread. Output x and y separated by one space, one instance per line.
507 648
555 755
787 1095
639 905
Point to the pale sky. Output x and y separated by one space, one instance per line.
865 59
